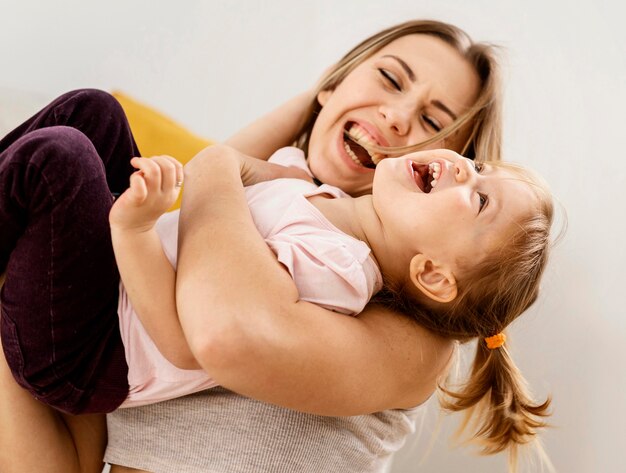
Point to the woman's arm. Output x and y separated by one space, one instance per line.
148 276
273 130
242 318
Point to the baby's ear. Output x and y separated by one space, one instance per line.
323 96
435 281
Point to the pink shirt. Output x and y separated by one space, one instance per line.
329 268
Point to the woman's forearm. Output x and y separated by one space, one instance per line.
207 260
242 318
274 130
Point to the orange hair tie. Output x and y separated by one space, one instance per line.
496 341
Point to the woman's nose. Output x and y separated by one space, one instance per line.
397 117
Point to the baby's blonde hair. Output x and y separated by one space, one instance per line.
483 120
491 294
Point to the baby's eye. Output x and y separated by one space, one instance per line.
390 78
478 167
483 199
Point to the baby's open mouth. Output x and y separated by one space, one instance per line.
356 143
426 175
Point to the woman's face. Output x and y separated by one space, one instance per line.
400 96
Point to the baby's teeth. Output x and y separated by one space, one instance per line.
435 169
433 183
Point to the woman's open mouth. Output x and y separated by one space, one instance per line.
356 143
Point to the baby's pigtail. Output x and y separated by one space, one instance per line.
499 409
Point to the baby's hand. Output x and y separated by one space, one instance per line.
153 190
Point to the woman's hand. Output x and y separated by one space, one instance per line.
251 170
153 190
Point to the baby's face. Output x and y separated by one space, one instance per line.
447 207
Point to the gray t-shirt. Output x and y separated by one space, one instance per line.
218 431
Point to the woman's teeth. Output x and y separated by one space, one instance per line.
362 138
354 157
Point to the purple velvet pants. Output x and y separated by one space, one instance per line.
59 323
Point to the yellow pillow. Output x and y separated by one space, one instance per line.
157 134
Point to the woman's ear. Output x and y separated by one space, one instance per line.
323 96
435 281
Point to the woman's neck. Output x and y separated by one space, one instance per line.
357 217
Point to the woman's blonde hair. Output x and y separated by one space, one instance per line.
491 294
482 120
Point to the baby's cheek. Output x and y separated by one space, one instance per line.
462 203
461 212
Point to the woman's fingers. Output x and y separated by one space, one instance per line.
297 173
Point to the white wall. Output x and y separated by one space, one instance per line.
215 65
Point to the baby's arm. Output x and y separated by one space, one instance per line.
147 274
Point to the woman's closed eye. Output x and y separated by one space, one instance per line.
390 78
392 81
432 123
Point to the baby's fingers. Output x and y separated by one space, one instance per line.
171 173
138 190
163 173
151 172
179 172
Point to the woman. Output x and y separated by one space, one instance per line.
410 108
224 431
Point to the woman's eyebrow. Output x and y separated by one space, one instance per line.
444 109
405 66
413 78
